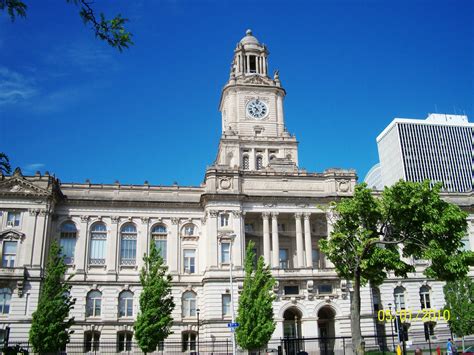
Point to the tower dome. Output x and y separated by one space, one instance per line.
249 39
250 57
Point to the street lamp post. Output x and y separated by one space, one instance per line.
391 326
197 314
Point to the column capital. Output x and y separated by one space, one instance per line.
213 213
298 215
275 214
115 219
84 218
265 215
307 215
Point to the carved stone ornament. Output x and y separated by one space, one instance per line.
203 220
33 211
225 183
18 185
145 220
213 213
265 215
236 214
84 218
43 212
174 220
344 185
11 234
310 285
115 219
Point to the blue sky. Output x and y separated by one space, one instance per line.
78 108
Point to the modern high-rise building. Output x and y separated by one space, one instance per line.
439 148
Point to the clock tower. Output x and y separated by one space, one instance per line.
254 136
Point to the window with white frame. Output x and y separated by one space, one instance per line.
9 253
425 297
5 298
128 244
126 304
246 162
399 296
13 218
67 241
259 163
189 261
124 341
225 252
224 219
284 260
189 304
189 229
159 234
226 305
188 341
98 244
91 341
93 304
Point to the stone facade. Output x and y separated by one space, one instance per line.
253 191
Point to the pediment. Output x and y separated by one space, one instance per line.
20 186
257 80
11 234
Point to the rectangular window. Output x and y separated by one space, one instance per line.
281 227
226 305
284 264
91 341
9 254
291 290
325 289
225 253
98 249
189 261
249 227
160 245
124 341
128 251
315 254
13 219
188 342
68 246
224 219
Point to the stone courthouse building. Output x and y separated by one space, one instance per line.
254 190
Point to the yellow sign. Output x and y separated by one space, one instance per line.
399 350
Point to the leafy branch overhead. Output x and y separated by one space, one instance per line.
112 31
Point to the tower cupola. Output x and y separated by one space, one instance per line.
250 57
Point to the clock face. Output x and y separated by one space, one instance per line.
257 109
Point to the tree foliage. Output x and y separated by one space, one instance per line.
255 314
153 323
373 236
50 324
5 167
459 296
112 31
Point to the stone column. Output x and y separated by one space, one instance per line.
266 238
142 241
280 113
299 241
237 249
327 263
275 241
247 67
172 238
307 241
212 244
112 244
40 238
82 246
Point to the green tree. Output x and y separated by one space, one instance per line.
50 324
5 167
255 314
459 296
112 31
153 324
369 232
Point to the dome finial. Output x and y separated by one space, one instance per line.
248 32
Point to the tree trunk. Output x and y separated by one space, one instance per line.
357 341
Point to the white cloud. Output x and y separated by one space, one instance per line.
30 169
15 87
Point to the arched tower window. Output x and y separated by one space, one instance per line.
259 162
94 304
189 304
126 304
128 244
399 297
245 162
67 241
425 297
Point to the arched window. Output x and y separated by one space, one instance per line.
399 295
128 244
259 163
126 304
425 297
5 297
189 229
189 304
159 234
124 341
98 244
91 341
67 241
188 341
246 162
93 304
